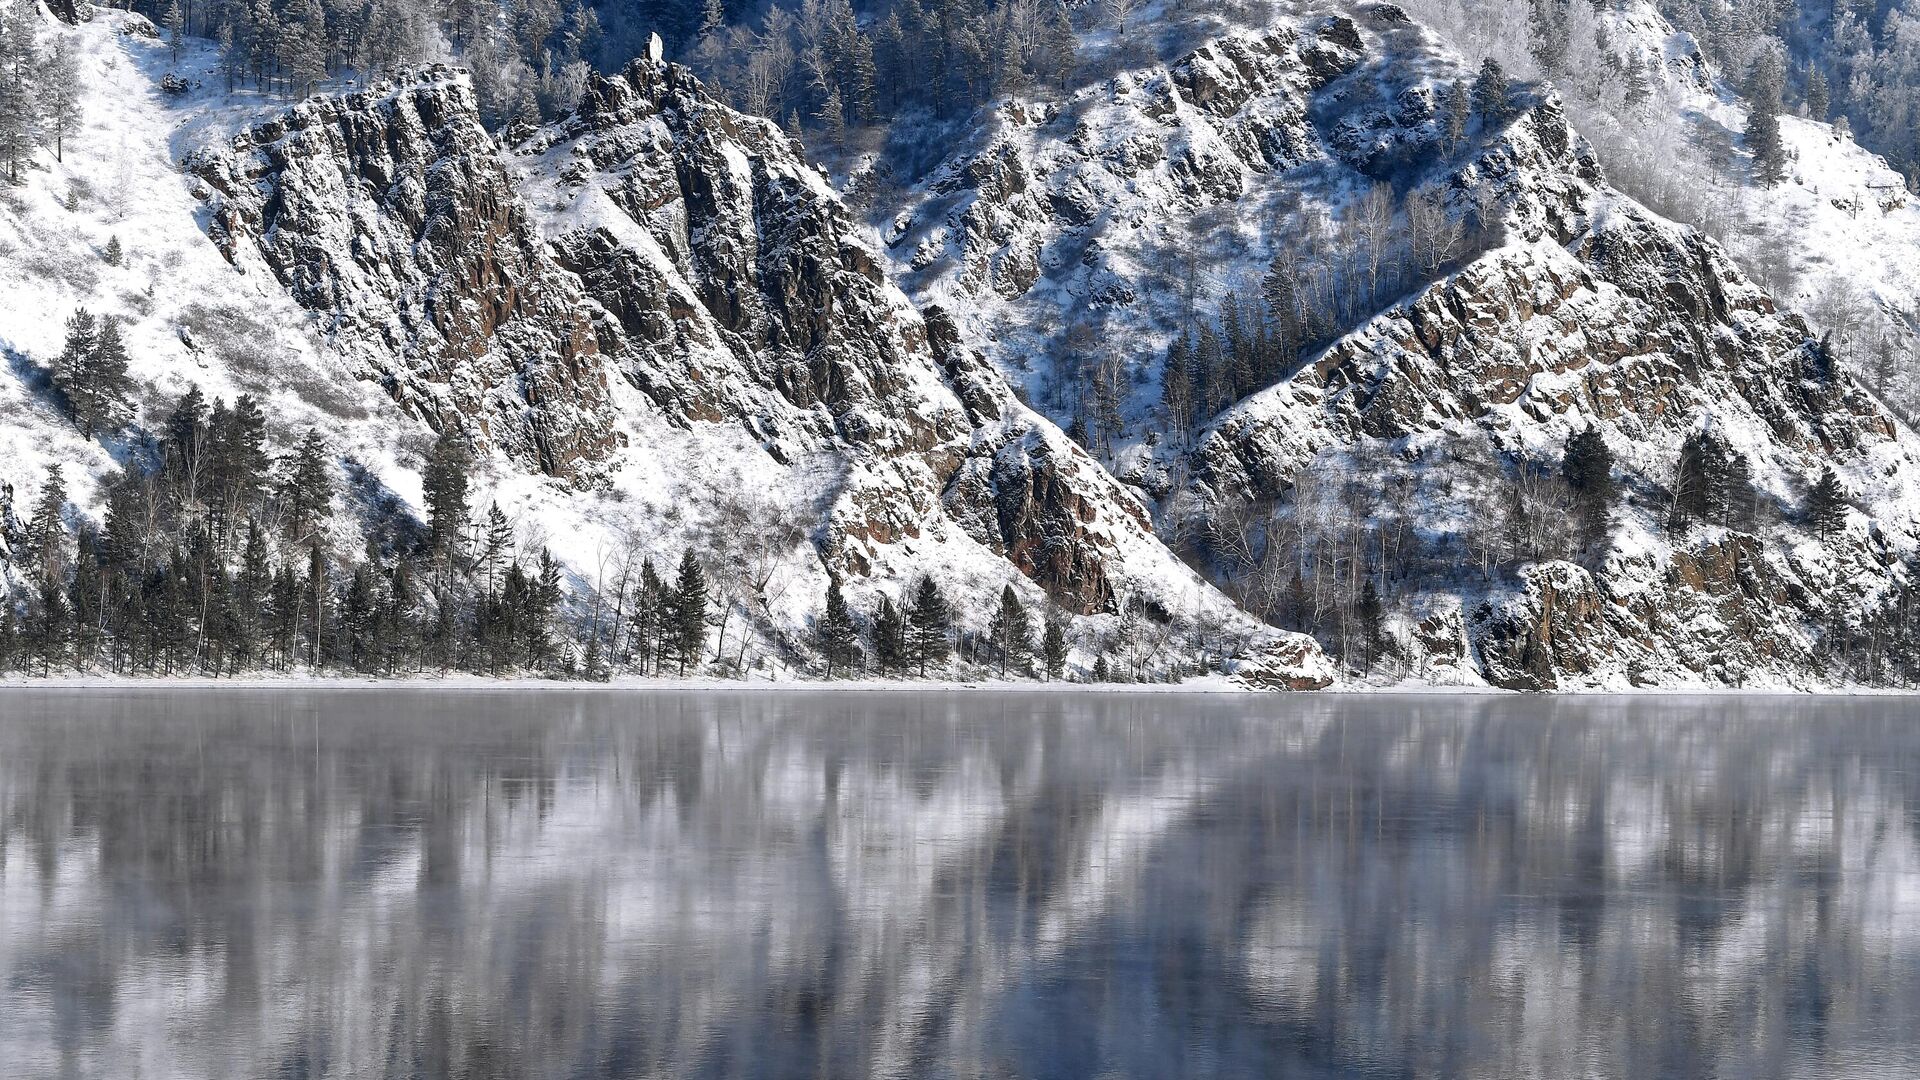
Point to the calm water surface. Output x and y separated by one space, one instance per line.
437 883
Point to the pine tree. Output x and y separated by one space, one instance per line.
1493 94
650 619
832 118
185 437
1548 35
19 105
86 599
1827 505
1370 615
252 589
1819 97
1587 465
1764 143
240 463
1459 115
284 614
444 484
1243 369
399 629
115 254
306 492
1176 387
1762 138
1053 648
9 636
47 529
108 384
1058 53
70 367
890 648
689 613
1101 671
709 44
1701 484
305 47
1011 632
932 626
839 640
52 619
1742 500
176 30
359 620
540 607
1213 371
59 94
496 545
123 547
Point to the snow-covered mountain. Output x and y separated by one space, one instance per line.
654 318
662 329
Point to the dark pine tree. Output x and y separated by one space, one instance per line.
689 613
932 626
1493 94
1587 465
890 648
444 484
1053 648
1827 505
839 639
1011 632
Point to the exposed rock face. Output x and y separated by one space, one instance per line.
1726 610
387 212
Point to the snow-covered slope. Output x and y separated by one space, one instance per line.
1835 240
187 316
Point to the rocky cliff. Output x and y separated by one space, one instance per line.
658 284
388 212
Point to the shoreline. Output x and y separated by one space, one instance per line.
1213 685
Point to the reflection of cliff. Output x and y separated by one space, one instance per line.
879 885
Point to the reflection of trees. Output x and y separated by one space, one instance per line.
492 884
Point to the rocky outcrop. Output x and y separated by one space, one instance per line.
1712 615
1289 664
1074 228
388 213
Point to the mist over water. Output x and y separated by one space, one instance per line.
478 884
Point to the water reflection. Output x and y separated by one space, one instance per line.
364 883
